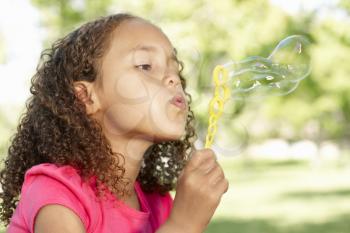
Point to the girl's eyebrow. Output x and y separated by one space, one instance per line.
150 48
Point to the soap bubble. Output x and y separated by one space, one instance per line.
278 74
255 77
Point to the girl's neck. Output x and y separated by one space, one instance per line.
133 149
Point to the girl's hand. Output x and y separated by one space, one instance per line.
198 193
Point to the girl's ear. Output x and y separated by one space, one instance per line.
86 93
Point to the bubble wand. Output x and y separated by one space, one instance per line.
283 69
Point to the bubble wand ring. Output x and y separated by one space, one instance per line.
216 105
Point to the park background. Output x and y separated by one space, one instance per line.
287 158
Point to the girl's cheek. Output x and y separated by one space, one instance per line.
130 87
159 110
121 118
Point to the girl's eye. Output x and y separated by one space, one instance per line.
146 67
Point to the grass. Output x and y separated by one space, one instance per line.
284 197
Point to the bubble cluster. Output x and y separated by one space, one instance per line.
278 74
255 77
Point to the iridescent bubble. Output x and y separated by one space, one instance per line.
255 77
278 74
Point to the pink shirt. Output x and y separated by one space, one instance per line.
47 183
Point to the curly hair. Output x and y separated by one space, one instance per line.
55 127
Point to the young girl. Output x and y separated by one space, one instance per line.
107 134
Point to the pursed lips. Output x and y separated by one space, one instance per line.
179 101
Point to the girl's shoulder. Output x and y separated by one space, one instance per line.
51 168
51 174
48 183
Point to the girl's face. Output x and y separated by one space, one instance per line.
139 78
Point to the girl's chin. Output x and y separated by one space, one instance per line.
169 129
169 137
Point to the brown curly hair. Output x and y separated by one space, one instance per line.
55 127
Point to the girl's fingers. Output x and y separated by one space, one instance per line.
224 185
199 157
208 166
215 175
221 187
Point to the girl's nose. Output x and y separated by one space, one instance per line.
173 80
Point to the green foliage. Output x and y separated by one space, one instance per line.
62 16
345 4
208 33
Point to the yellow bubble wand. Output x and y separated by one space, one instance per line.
216 105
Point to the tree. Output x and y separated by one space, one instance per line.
208 33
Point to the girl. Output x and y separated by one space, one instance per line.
106 135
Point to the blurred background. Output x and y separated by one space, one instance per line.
287 158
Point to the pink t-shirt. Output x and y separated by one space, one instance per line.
48 183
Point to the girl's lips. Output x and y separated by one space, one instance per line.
179 101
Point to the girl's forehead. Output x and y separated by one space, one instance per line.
136 33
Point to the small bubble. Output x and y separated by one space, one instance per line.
253 77
262 66
257 83
299 47
237 83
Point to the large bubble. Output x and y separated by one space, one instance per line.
278 74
